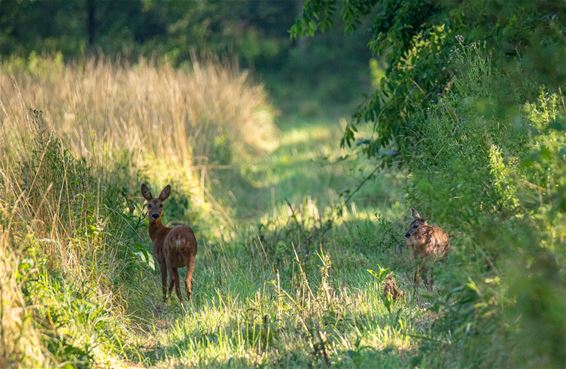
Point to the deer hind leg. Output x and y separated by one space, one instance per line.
177 283
188 279
426 272
416 280
163 270
172 277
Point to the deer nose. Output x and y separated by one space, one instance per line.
155 216
407 235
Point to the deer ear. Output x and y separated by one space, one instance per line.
145 192
415 213
165 193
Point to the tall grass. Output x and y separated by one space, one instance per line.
58 265
284 292
174 122
19 341
183 115
75 141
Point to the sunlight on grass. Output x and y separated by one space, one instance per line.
284 294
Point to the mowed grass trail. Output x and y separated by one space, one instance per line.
307 166
289 286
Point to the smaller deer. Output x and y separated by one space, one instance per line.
429 244
173 247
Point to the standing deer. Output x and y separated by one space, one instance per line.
173 247
429 244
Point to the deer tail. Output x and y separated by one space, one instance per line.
180 242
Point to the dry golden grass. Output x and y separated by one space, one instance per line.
171 123
50 228
184 115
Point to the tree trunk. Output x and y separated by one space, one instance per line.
90 23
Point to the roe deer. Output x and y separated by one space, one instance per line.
429 244
173 247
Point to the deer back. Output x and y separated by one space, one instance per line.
179 246
429 240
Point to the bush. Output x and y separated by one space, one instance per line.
495 177
60 264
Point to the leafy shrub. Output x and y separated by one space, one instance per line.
496 179
415 39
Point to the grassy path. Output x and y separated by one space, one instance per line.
307 165
289 288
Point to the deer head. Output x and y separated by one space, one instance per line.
155 205
415 224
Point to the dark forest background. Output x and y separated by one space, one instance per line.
327 74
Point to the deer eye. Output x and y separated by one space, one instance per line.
160 205
415 226
149 206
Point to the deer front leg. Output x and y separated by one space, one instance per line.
415 281
427 282
163 270
172 279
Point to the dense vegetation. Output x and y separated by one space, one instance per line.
471 99
466 121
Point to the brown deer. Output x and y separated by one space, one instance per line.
173 247
429 244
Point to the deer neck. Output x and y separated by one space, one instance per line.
157 229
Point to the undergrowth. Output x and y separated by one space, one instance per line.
494 175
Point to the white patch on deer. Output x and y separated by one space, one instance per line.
180 242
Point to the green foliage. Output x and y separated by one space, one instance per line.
477 117
496 179
416 39
307 77
456 139
405 35
379 274
252 29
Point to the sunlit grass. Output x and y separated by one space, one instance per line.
260 298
